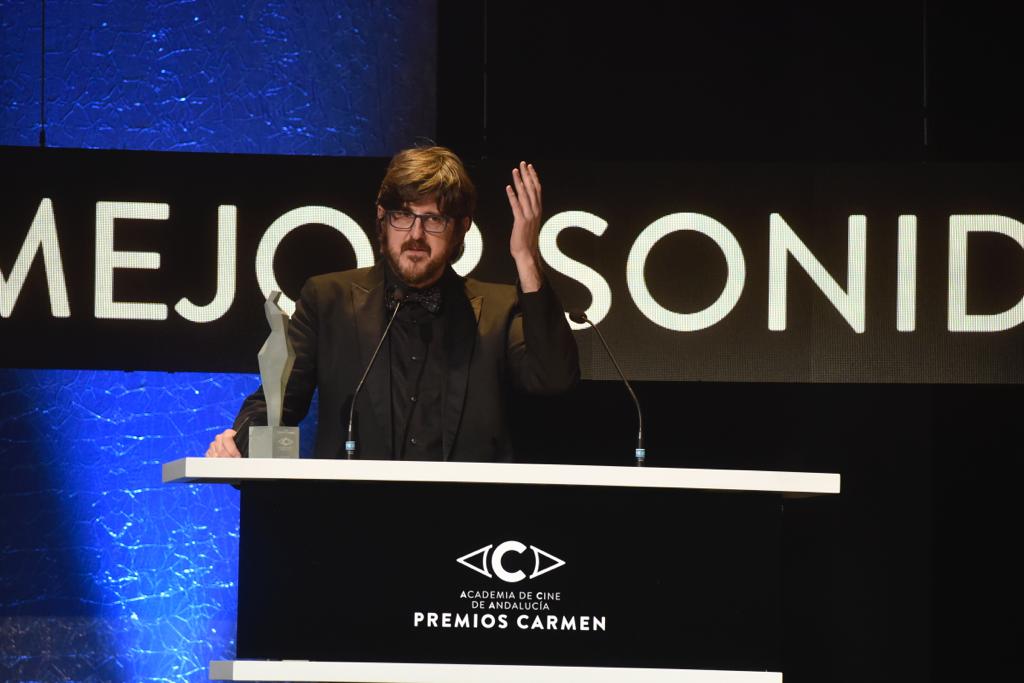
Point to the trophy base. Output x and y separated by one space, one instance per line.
273 442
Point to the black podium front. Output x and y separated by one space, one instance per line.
511 565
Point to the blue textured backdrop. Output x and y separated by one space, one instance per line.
20 72
105 575
265 76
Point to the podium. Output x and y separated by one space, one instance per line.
363 570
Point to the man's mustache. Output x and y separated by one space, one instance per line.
416 244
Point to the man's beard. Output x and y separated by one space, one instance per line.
425 271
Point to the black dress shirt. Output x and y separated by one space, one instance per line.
416 354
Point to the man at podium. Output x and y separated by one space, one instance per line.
438 388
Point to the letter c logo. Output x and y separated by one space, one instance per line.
499 570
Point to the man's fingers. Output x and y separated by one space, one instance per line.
513 200
532 183
524 197
223 446
530 187
521 192
229 444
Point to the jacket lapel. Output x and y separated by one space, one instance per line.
370 319
459 339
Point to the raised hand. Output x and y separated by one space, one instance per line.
524 196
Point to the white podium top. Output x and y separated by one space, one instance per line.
389 672
236 470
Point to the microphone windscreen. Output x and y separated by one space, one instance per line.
577 316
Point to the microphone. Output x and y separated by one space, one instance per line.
397 296
579 317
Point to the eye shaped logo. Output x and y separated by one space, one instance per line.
479 560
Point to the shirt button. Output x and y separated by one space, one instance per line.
415 358
413 441
412 398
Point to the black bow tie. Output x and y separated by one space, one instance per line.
429 298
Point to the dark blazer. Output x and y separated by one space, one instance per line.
494 337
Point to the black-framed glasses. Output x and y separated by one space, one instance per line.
434 223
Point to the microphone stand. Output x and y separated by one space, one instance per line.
579 317
350 445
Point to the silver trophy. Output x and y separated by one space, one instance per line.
276 360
